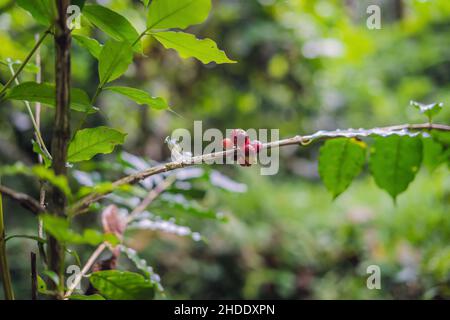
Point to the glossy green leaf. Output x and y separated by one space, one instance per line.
45 94
429 110
89 142
122 285
140 97
90 44
83 297
114 60
187 45
395 161
340 161
113 24
41 285
166 14
43 11
49 175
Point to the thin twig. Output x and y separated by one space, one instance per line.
24 199
5 274
82 205
85 269
40 158
152 195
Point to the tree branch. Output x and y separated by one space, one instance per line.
61 134
83 204
24 200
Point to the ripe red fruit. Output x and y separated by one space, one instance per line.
227 144
240 137
257 145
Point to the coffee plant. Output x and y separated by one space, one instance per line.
394 154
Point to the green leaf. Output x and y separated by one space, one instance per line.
114 60
89 142
82 297
187 45
166 14
113 24
122 285
145 2
395 161
429 110
340 161
59 228
43 11
140 97
142 265
90 44
41 285
40 172
29 67
45 93
49 175
38 150
433 153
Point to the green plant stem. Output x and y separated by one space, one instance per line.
37 131
24 63
4 268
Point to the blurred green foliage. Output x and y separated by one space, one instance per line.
302 66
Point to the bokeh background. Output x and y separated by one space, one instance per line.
302 66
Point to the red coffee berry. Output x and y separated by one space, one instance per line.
239 137
227 144
257 145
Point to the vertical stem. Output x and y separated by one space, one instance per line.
41 160
61 134
4 268
34 288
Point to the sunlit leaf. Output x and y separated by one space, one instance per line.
395 161
340 161
90 44
166 14
45 94
122 285
43 11
92 141
140 97
113 24
187 45
114 60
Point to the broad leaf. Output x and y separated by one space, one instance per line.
45 93
43 11
113 24
433 153
340 161
122 285
429 110
29 67
89 142
114 60
140 97
395 161
59 228
90 44
38 150
187 45
166 14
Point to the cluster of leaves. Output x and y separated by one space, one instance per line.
395 157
